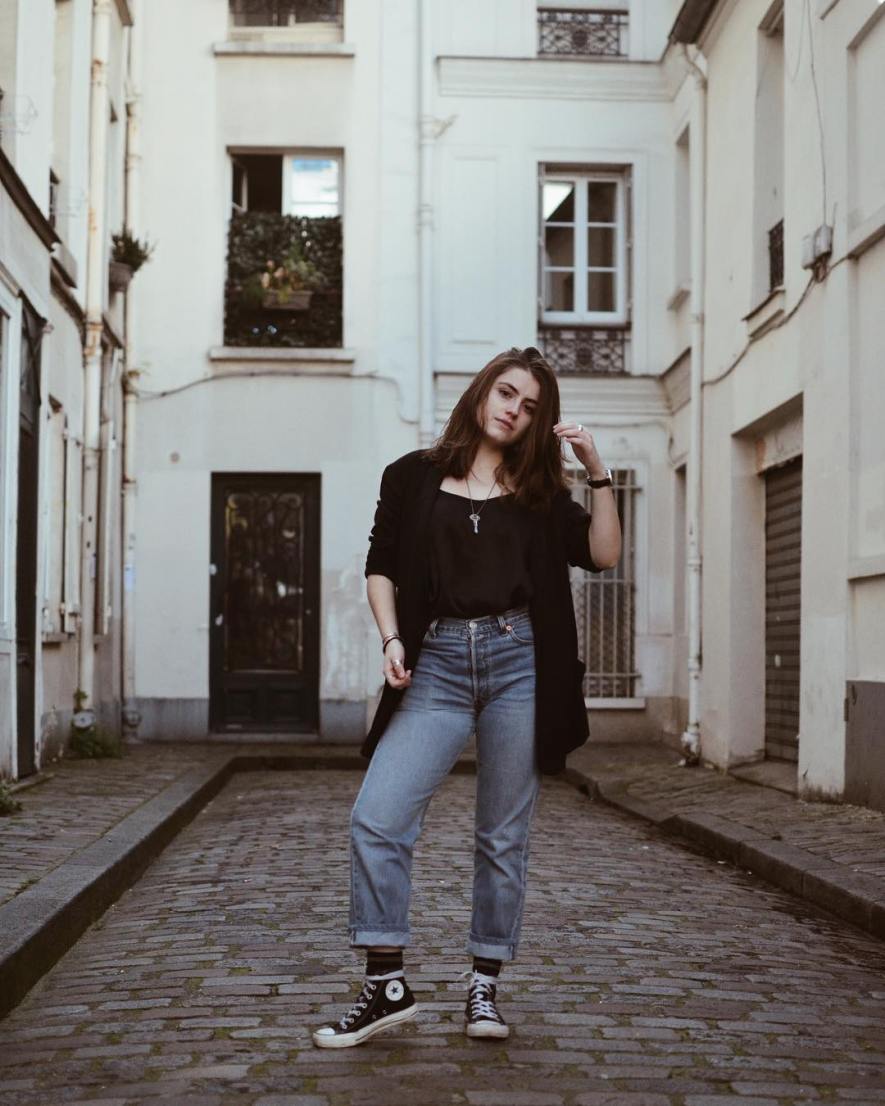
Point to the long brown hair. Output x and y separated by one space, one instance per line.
533 465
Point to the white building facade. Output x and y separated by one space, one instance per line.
63 121
789 383
492 172
356 206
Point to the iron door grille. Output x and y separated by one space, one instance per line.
783 562
605 606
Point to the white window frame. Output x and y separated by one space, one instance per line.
10 352
596 318
107 484
241 203
310 155
55 432
73 519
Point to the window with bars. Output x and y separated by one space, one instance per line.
605 606
584 249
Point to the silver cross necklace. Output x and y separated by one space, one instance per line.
474 513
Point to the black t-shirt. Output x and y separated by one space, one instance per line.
483 572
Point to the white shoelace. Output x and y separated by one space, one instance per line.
481 999
361 1004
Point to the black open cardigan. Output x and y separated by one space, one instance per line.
398 549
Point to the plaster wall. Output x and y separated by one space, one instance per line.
342 419
346 430
799 375
487 200
62 383
362 105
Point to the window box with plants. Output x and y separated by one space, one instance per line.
288 286
283 281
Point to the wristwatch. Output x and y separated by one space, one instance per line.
603 482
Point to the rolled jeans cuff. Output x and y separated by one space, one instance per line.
362 937
495 951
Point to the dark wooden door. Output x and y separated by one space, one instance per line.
783 566
264 603
26 544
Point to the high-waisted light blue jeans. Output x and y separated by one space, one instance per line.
472 676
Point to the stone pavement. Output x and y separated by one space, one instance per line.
647 975
830 853
73 803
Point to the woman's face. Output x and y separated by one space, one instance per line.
509 407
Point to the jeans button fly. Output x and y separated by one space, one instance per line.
472 624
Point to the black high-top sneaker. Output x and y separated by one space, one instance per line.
482 1018
383 1001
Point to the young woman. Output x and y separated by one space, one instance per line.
467 577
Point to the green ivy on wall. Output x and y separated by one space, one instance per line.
256 237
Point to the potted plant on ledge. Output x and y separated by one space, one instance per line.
288 286
127 257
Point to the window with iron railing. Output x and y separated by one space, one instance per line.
284 265
584 272
575 32
584 248
284 13
605 606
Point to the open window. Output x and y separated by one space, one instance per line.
292 20
583 269
284 282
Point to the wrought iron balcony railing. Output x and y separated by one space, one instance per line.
564 32
776 256
283 13
587 350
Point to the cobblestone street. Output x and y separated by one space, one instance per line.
647 976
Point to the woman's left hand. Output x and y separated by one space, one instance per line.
582 443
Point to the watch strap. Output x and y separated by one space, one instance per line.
603 482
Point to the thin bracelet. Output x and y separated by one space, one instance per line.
387 640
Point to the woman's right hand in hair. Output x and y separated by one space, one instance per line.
394 665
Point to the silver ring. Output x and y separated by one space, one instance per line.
580 426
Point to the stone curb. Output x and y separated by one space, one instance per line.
39 925
853 896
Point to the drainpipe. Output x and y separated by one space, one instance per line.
96 282
691 744
130 714
426 138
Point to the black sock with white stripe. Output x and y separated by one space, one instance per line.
486 966
384 965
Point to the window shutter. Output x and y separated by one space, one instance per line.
540 231
628 231
73 501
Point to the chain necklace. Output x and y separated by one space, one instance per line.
474 513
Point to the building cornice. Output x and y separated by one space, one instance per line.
691 19
547 78
18 192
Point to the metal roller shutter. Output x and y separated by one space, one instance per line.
783 563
